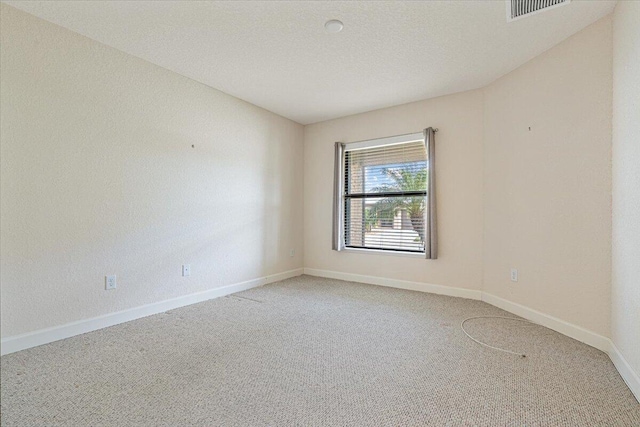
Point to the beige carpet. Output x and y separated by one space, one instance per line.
316 352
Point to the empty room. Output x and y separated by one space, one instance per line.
320 213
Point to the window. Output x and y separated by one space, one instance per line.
382 198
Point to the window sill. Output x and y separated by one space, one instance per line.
388 253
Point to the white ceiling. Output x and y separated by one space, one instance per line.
277 55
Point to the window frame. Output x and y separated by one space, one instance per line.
342 178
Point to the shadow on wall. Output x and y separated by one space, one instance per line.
281 202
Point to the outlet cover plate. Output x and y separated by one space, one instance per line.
110 282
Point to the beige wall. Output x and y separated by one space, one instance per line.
547 191
625 315
537 200
459 153
99 177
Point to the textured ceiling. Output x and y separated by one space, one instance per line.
278 56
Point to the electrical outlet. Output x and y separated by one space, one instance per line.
110 282
514 274
292 253
186 270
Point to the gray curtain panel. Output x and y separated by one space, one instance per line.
338 241
431 243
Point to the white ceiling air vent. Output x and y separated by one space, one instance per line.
517 9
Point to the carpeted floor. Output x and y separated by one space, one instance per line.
316 352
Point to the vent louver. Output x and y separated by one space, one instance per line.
517 9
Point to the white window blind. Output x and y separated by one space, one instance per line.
384 194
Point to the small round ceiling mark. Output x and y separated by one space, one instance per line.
333 26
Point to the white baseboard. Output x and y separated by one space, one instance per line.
569 329
45 336
576 332
400 284
566 328
573 331
626 372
